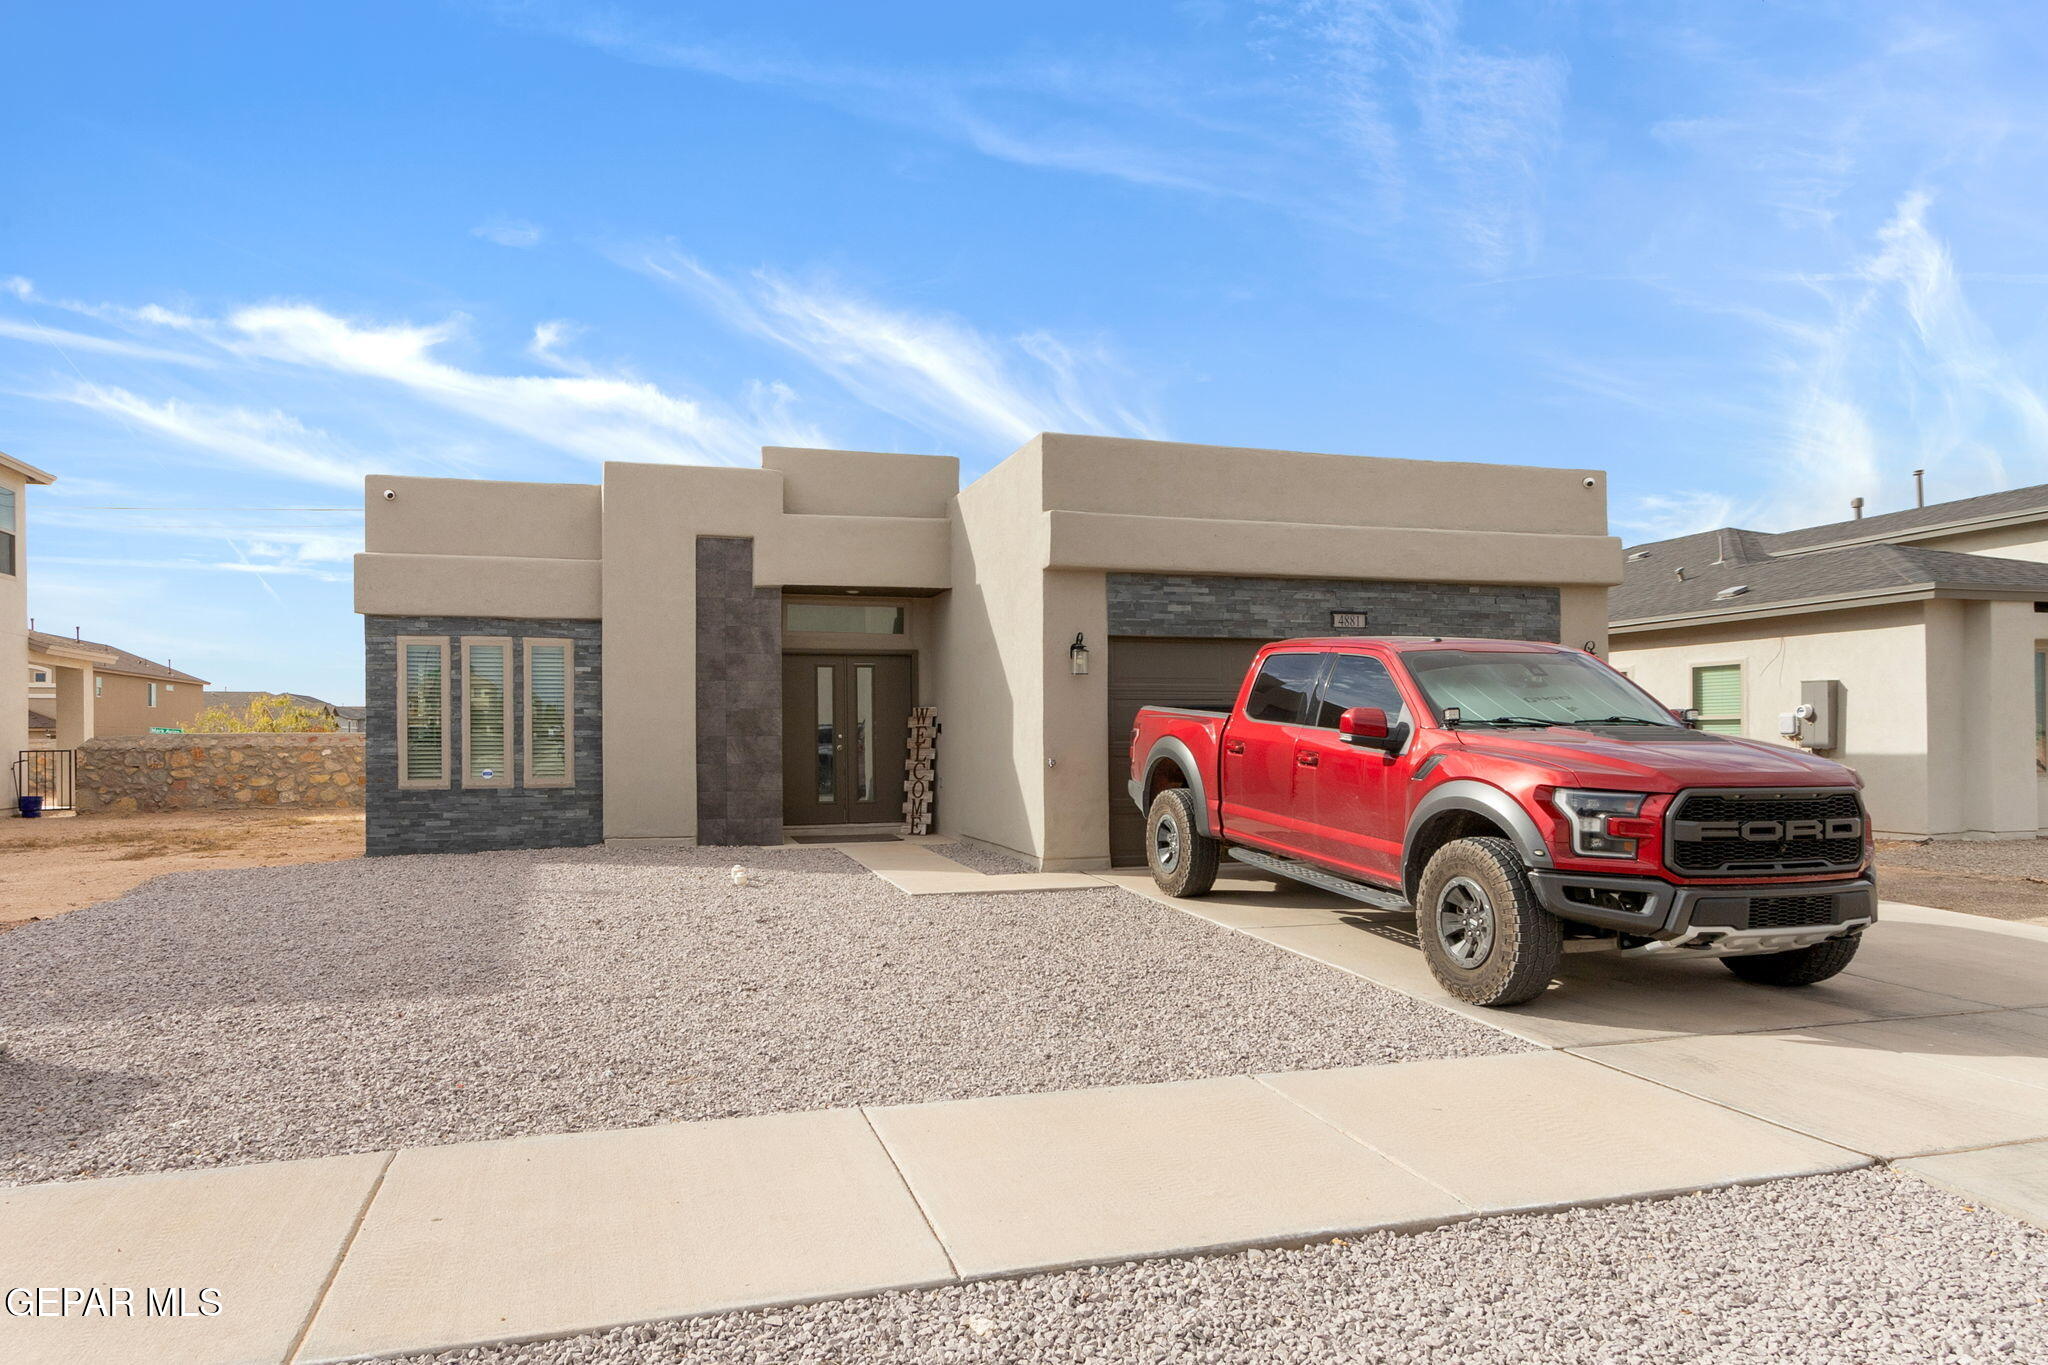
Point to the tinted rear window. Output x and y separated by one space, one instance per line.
1281 690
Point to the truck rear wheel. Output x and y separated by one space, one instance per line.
1182 858
1487 939
1800 967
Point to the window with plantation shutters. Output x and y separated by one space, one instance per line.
1717 696
550 738
486 712
422 711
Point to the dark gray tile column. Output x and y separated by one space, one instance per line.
739 697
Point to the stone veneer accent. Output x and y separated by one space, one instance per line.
456 819
219 772
1204 607
739 697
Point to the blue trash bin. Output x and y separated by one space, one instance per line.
31 807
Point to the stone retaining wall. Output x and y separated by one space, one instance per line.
206 772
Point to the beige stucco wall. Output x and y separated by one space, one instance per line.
122 706
990 689
14 640
2028 541
1937 710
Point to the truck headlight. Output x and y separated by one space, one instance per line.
1603 824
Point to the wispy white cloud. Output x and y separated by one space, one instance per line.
1435 120
272 442
512 232
590 410
1882 366
64 341
1353 111
931 370
195 566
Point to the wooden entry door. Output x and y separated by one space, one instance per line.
845 722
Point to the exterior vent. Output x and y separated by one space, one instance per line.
1638 556
1736 591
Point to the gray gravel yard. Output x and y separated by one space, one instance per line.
1868 1268
215 1018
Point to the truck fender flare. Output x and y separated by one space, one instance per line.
1167 749
1479 798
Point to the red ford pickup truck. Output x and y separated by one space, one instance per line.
1524 799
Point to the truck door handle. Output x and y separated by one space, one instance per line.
1233 746
1307 758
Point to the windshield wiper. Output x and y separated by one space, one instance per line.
1522 720
1623 720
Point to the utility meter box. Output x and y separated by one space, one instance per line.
1823 730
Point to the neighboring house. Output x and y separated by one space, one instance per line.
238 704
99 690
15 479
1932 622
713 654
351 718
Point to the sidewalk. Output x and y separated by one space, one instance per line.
435 1248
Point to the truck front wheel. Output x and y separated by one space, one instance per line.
1800 967
1487 939
1182 858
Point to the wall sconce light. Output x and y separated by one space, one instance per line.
1077 654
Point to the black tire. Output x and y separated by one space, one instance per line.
1800 967
1487 939
1182 858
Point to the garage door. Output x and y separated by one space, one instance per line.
1147 672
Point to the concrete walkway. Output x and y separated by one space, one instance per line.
912 868
1644 1085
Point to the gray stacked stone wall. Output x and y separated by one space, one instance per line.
1199 606
455 819
739 697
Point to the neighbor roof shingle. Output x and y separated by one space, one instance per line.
1793 566
124 662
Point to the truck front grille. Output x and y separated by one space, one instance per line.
1790 912
1751 831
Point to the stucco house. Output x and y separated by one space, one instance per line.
16 477
93 690
720 655
1918 637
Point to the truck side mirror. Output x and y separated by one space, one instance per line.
1367 725
1687 716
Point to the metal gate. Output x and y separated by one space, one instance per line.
49 773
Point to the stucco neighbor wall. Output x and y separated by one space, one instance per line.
213 772
1937 706
14 637
122 704
455 819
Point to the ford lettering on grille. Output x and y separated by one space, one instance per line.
1734 832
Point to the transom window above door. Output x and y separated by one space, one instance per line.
842 618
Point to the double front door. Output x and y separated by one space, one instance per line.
845 725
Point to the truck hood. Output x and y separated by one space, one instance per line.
1639 758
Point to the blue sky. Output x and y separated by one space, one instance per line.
1753 259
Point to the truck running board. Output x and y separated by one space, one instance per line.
1377 897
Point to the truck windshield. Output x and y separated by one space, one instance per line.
1513 689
